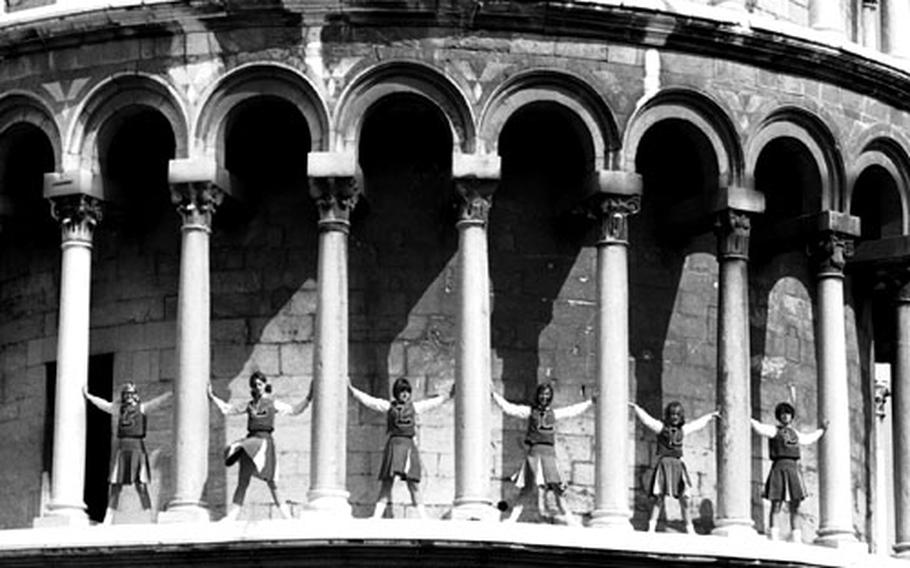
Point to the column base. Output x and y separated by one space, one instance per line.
328 502
475 511
839 538
902 550
613 520
185 512
58 515
735 528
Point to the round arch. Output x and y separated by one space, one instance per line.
890 156
254 80
563 89
109 100
700 112
409 77
21 107
818 140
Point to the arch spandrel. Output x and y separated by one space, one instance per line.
704 114
815 136
113 99
25 108
560 88
254 80
403 77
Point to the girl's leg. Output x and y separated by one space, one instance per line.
384 499
519 506
773 529
282 507
542 510
113 501
143 491
417 499
796 532
243 482
656 506
684 513
567 516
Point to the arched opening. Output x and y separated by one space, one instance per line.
537 268
876 201
673 298
26 155
787 173
402 267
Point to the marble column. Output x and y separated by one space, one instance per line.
77 214
734 436
614 197
871 24
336 191
196 202
476 179
835 487
827 16
900 416
895 21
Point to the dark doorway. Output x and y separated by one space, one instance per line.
97 432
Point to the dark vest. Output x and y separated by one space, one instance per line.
260 417
131 422
785 444
670 442
401 419
541 427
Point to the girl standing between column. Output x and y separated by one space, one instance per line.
539 470
256 452
400 457
670 476
131 462
785 483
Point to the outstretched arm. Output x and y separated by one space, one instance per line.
573 410
151 405
811 438
99 402
651 423
514 410
699 422
371 402
286 409
765 430
428 404
223 406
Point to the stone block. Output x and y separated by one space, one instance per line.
532 47
579 50
281 329
296 358
229 331
583 473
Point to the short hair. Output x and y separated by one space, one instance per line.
784 407
541 388
400 384
259 376
672 406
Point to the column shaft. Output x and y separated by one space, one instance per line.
900 388
827 16
871 22
895 21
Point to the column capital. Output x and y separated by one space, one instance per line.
196 203
336 197
474 199
611 212
78 214
829 252
732 227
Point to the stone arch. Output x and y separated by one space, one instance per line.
18 107
563 89
813 134
403 77
700 112
110 102
253 80
888 155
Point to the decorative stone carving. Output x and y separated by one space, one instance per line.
336 197
196 202
830 253
476 199
733 228
77 214
612 212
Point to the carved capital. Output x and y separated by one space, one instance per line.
196 203
475 199
77 214
732 228
336 197
612 213
829 253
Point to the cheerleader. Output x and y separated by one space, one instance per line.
256 453
400 457
670 476
538 470
130 463
784 481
